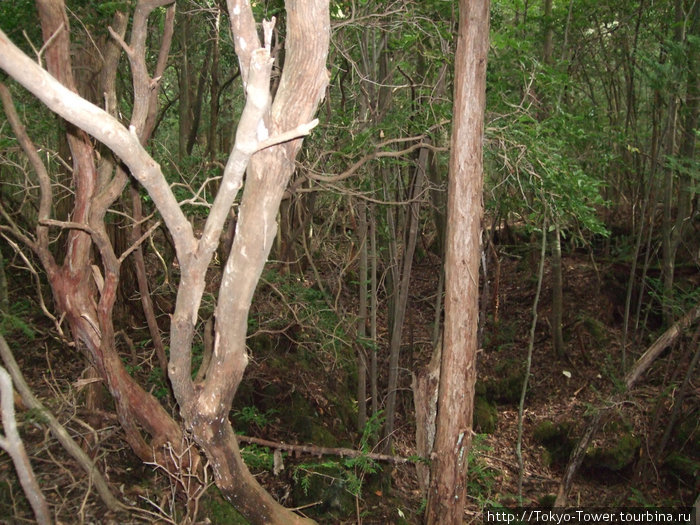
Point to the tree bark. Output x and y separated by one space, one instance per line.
448 485
362 318
548 29
12 443
268 139
400 302
557 295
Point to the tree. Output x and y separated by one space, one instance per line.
267 142
464 210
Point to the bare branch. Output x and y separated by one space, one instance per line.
61 434
138 242
11 442
48 42
245 34
70 225
107 130
300 131
313 450
352 170
45 192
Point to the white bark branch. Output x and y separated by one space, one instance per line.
107 130
11 442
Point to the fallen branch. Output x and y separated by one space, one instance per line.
314 450
58 430
11 443
631 379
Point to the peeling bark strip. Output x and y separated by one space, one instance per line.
458 367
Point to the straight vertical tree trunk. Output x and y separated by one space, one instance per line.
448 486
401 285
362 319
557 294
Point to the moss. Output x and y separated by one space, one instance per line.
321 436
547 458
547 501
507 386
300 416
683 467
555 438
688 433
501 335
485 416
619 455
219 511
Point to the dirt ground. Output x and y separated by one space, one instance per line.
560 391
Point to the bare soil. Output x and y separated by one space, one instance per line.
560 390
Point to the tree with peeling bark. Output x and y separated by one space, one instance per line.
267 140
448 484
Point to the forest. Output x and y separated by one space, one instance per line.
347 261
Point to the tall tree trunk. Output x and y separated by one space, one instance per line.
373 372
672 229
557 294
205 406
74 287
448 485
214 89
400 303
548 30
362 318
184 81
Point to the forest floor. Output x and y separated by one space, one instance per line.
561 391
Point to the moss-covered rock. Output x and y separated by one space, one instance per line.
485 416
547 501
507 385
615 456
556 439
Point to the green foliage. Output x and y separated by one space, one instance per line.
681 300
328 482
13 322
154 379
481 482
683 467
318 325
370 434
108 9
336 482
257 457
18 16
35 415
160 388
250 416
